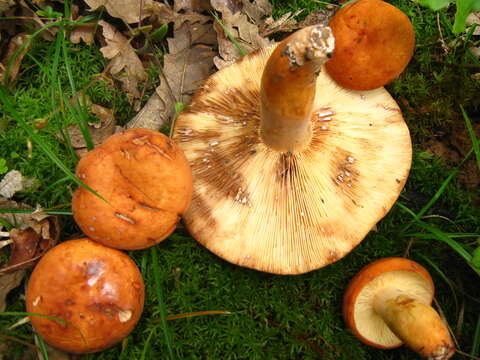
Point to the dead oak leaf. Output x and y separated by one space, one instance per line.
10 65
99 131
9 282
241 27
125 65
130 11
188 63
83 32
192 6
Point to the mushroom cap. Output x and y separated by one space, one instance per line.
374 41
400 273
289 213
99 291
147 182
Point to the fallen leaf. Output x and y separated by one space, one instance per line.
5 5
84 32
125 64
13 58
474 18
241 27
286 23
130 11
99 131
9 282
13 182
192 6
30 238
188 63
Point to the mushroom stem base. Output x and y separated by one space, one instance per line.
417 324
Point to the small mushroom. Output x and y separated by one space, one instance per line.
97 291
374 41
146 182
291 171
388 303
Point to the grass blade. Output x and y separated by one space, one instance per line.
476 340
41 144
471 132
234 41
43 347
161 303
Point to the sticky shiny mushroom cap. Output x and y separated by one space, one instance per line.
147 183
289 213
374 42
99 291
358 309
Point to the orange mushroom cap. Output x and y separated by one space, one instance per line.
147 183
96 290
374 41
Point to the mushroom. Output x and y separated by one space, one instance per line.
291 171
374 42
98 292
146 185
388 303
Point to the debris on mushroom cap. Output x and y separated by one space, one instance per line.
146 182
374 43
289 212
388 303
98 291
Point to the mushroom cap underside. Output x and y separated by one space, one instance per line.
289 213
394 273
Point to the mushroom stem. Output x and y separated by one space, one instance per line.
417 324
288 88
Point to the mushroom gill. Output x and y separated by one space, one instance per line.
295 211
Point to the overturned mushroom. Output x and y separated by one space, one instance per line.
291 171
388 304
146 182
96 291
374 41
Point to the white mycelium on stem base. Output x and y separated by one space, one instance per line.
290 170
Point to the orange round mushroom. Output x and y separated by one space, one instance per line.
388 303
98 292
374 41
146 182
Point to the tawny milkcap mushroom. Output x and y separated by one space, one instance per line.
98 292
291 171
146 182
374 42
388 303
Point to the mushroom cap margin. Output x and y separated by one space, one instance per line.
371 272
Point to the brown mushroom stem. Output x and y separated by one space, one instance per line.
417 324
288 88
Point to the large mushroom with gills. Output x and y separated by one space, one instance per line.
291 171
387 304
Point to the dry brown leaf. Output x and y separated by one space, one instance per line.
5 5
9 282
192 6
12 61
130 11
188 63
474 18
31 238
99 131
12 182
241 27
125 64
84 32
49 32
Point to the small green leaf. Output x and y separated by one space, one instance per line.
3 166
435 4
476 258
160 33
464 8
